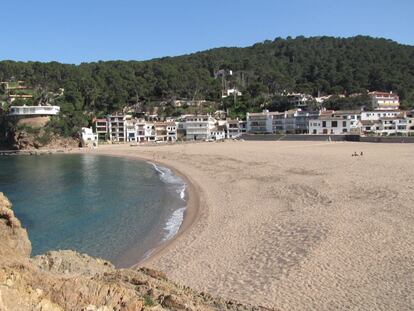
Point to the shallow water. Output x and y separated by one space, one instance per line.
113 208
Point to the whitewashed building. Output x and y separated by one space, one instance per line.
197 127
261 122
384 100
232 129
336 123
89 138
171 131
218 134
378 114
295 121
33 110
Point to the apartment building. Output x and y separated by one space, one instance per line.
295 121
101 127
384 100
336 123
197 127
232 129
33 111
117 127
261 122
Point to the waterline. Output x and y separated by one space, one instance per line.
178 186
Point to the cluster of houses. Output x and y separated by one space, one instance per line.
125 128
385 119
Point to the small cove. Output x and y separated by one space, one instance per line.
100 205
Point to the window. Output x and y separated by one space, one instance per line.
323 123
334 123
343 123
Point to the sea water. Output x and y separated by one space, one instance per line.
114 208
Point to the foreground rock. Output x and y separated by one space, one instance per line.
66 280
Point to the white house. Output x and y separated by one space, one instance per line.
231 92
295 121
378 114
34 110
171 131
89 138
197 127
336 123
396 126
384 100
232 129
261 122
218 134
149 131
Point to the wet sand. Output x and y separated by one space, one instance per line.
293 225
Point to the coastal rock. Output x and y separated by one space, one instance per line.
14 240
67 280
73 263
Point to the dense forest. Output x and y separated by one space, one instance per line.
263 72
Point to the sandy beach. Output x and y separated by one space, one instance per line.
293 225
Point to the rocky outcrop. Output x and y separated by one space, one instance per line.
66 280
14 241
24 140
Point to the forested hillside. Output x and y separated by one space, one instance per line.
323 65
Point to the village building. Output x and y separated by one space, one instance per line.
231 92
384 100
218 133
232 129
29 111
295 121
117 127
260 122
101 127
243 126
131 128
149 133
336 123
197 127
160 131
88 137
171 131
378 114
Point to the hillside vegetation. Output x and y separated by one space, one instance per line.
264 71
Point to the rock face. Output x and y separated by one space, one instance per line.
66 280
24 140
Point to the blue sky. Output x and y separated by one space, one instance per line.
75 31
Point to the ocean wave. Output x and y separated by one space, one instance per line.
175 221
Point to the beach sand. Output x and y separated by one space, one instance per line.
293 225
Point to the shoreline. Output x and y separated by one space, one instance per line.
276 226
191 213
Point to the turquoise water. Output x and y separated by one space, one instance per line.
113 208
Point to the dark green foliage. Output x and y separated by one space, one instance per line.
323 65
349 103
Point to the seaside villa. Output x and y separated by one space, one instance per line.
336 123
29 111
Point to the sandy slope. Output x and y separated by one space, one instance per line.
296 225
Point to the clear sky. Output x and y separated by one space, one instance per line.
75 31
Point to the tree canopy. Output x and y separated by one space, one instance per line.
264 71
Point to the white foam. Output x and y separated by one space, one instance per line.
174 223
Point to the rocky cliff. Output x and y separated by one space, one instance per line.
66 280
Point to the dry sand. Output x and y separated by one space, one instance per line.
295 225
